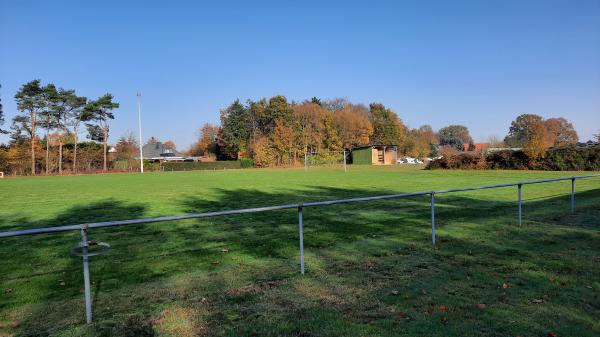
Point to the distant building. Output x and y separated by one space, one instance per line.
588 143
375 155
497 149
157 151
478 147
112 153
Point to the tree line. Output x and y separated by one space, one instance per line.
270 132
277 132
59 115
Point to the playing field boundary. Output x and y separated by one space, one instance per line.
81 248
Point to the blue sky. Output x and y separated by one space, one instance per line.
477 63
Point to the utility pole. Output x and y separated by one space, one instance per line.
139 104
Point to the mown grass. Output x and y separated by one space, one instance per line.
370 267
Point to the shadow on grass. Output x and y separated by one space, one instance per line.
478 242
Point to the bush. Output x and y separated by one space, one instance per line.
196 165
570 158
246 163
470 161
150 166
508 160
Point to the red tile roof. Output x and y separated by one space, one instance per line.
479 147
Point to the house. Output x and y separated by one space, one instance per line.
375 155
586 144
477 147
158 152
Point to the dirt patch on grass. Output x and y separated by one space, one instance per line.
181 322
253 288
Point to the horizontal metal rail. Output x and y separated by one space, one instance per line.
41 230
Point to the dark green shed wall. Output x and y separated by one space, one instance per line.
362 156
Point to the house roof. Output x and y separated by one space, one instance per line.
478 147
158 149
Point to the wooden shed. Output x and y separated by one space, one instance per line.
375 155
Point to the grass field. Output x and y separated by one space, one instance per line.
370 267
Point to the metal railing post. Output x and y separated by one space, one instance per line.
572 195
345 169
433 218
86 275
305 163
520 203
301 231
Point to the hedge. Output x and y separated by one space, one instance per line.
209 165
570 158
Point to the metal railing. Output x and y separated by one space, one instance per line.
84 228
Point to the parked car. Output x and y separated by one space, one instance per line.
409 160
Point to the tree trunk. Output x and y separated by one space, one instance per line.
105 143
47 153
75 149
32 116
60 147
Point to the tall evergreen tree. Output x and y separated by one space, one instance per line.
100 111
20 130
30 101
69 111
47 117
235 125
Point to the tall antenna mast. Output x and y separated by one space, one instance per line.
139 104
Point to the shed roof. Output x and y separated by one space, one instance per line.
373 145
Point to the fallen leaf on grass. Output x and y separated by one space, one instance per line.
482 305
537 301
224 250
395 292
15 324
445 320
215 262
505 286
62 283
9 290
442 308
552 334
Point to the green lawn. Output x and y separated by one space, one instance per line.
370 267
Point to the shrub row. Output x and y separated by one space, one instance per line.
211 165
570 158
